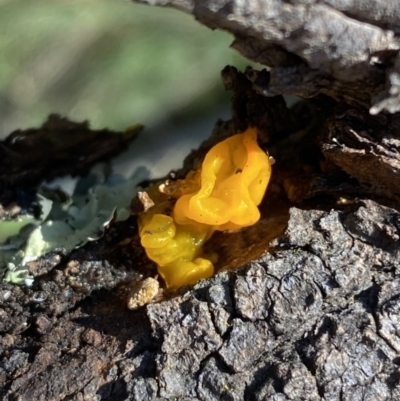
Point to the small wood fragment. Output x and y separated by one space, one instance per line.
143 293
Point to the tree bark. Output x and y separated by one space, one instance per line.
345 49
312 312
314 319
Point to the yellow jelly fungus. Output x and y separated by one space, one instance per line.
177 249
234 177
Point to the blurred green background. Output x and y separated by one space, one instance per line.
111 62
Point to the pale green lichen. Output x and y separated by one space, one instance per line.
67 221
9 228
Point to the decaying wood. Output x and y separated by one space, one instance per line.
314 318
58 147
366 149
313 311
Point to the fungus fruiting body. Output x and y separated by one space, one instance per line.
233 179
177 249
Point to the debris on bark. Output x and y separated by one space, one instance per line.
141 203
143 293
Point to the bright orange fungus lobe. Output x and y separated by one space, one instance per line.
234 176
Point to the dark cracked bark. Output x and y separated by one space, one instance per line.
59 147
367 149
345 49
314 319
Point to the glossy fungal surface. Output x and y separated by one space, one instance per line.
234 176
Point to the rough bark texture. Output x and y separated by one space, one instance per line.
313 312
347 49
367 149
57 148
315 319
